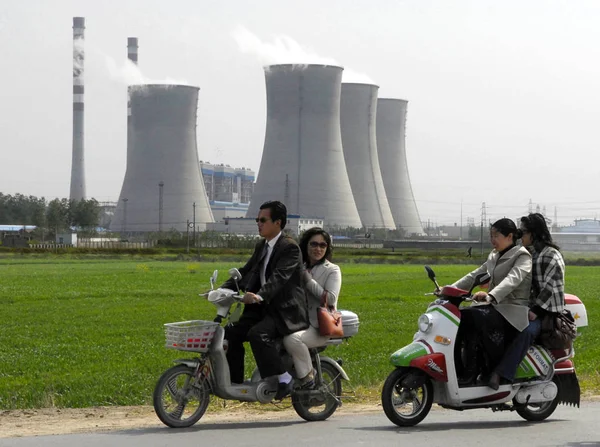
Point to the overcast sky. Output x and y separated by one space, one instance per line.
503 95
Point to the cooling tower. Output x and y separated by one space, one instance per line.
303 162
163 180
358 122
391 137
77 189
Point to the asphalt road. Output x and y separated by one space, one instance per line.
567 427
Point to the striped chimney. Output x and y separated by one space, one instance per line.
132 55
77 191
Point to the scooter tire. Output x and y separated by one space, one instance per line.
394 396
538 412
179 401
319 409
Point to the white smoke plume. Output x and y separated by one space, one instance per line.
285 50
78 52
130 74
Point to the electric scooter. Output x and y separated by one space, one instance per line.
182 394
425 370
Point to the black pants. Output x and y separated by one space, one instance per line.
484 326
261 332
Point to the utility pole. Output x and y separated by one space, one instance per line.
187 230
483 219
125 200
161 184
460 238
194 223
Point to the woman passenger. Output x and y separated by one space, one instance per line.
322 279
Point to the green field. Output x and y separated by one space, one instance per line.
86 332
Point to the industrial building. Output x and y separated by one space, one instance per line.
391 149
226 184
296 225
302 162
358 107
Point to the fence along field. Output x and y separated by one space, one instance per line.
79 333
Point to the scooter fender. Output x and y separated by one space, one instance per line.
337 366
405 355
192 363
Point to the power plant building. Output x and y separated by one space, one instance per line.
302 162
359 139
391 146
163 187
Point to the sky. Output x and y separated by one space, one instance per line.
503 96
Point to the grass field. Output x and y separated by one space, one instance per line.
85 332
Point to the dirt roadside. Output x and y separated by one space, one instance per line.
55 421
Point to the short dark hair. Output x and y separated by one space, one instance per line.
278 211
507 227
536 224
308 235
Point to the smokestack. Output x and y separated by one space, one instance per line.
359 138
391 145
132 55
77 191
303 162
163 186
132 49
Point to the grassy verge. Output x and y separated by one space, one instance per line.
87 332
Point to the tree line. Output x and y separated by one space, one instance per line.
55 216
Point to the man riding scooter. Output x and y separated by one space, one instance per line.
275 301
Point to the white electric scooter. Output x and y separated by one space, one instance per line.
182 393
425 370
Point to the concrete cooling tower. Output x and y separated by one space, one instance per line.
163 180
77 189
391 138
358 121
303 162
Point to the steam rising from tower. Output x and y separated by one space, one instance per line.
303 162
77 189
358 115
391 144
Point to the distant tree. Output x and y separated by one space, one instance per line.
57 215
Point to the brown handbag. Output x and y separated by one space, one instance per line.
330 320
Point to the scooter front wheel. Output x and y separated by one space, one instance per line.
406 406
319 403
179 399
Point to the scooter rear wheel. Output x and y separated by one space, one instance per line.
402 405
538 412
179 400
320 403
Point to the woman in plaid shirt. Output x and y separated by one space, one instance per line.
547 292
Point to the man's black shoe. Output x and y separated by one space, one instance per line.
283 390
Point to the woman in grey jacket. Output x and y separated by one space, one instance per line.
323 281
496 324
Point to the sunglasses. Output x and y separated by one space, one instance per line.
316 244
262 219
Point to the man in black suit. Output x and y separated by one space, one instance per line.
275 301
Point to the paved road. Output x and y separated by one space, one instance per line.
568 427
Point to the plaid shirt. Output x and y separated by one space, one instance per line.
548 281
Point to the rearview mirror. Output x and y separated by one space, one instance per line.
235 274
213 279
431 275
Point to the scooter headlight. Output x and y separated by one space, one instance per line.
425 322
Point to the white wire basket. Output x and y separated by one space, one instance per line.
193 335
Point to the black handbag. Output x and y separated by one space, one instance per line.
558 330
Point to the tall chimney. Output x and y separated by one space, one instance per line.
77 191
132 55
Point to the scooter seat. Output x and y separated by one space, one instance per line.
453 291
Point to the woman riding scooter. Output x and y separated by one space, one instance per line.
493 326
